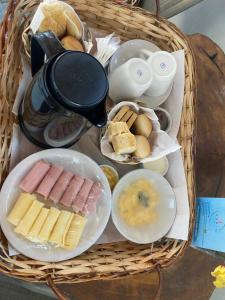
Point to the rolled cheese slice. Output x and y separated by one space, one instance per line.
28 220
48 225
20 208
75 231
57 234
36 227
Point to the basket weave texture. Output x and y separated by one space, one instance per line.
116 259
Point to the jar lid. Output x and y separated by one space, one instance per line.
78 80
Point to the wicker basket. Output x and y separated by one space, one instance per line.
116 259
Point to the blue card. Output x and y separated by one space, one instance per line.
209 231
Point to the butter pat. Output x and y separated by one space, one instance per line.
124 143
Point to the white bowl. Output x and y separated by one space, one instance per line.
169 118
155 165
77 163
165 208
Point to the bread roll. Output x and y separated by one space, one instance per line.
116 128
71 43
124 143
54 20
143 148
142 125
73 25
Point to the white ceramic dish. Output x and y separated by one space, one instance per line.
165 209
169 118
75 162
154 101
129 50
159 166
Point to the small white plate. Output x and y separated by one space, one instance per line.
77 163
129 50
154 101
165 208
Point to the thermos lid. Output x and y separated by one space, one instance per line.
78 80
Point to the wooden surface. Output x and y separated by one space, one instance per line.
169 8
189 278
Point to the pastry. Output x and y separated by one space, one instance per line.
143 148
142 126
29 218
132 119
127 116
73 24
23 203
71 43
124 143
116 128
54 18
121 113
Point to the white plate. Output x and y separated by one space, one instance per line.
129 50
165 209
154 101
77 163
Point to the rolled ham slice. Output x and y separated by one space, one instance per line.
60 186
49 180
82 196
93 197
72 191
33 178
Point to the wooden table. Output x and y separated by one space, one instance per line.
189 278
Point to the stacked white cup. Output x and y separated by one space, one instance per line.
152 75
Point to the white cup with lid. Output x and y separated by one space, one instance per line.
163 66
130 80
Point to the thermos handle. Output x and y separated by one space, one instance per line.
43 43
97 116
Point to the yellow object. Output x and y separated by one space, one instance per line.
35 229
20 208
143 147
28 220
124 143
219 274
75 231
142 125
48 225
60 227
116 128
111 175
73 24
136 203
54 18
